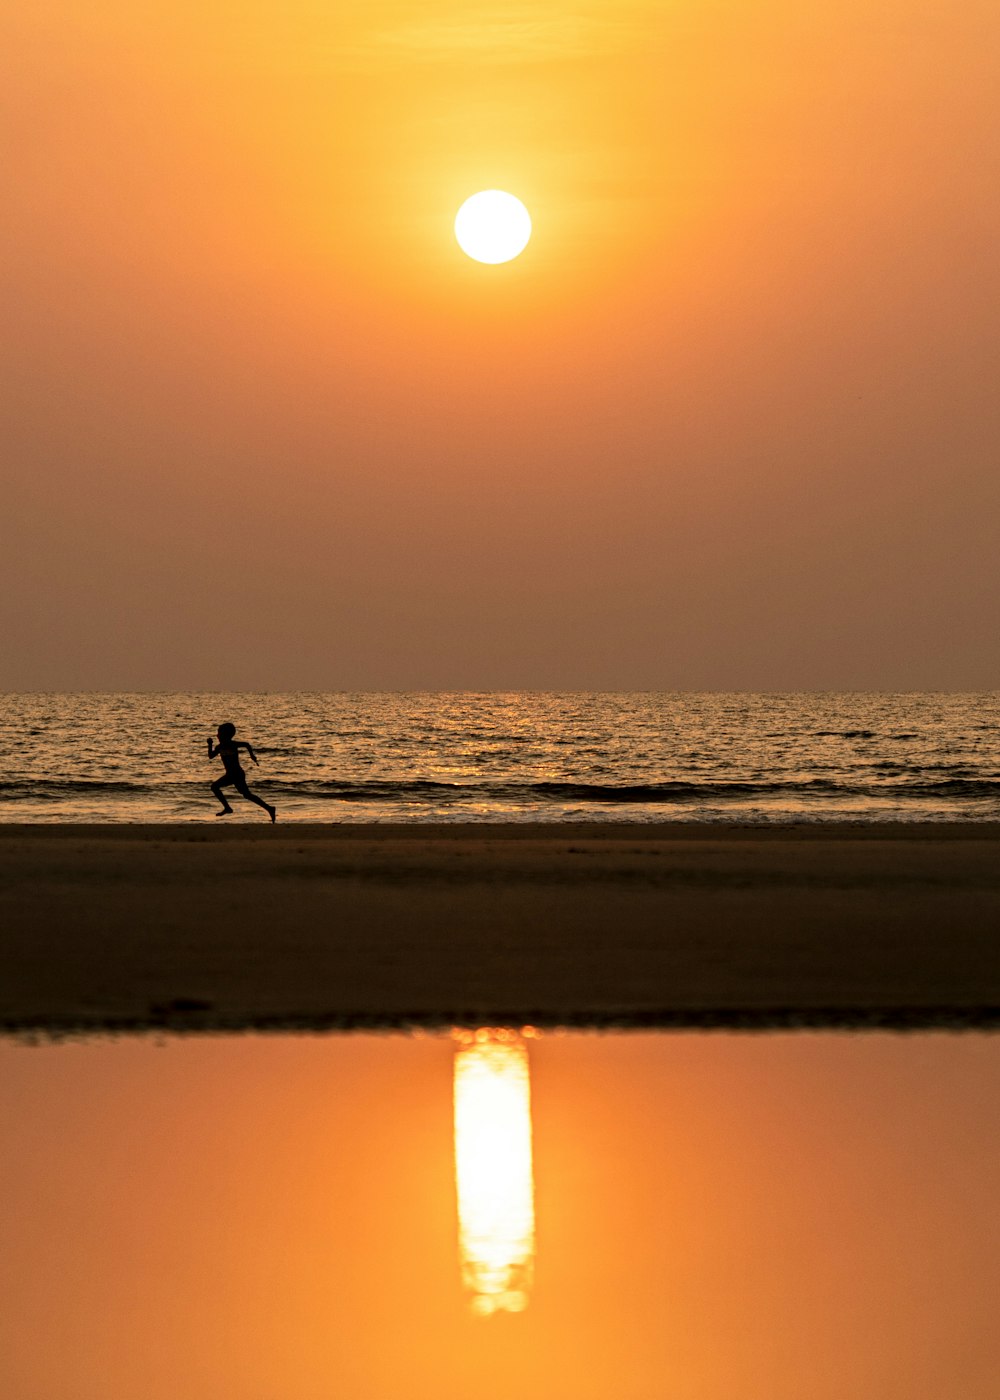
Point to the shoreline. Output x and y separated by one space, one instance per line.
256 828
217 927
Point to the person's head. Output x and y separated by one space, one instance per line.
226 731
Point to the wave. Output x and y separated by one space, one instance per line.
643 794
945 787
860 734
13 789
895 788
373 790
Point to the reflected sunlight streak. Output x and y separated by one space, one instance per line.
493 1169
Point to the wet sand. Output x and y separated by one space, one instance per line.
245 926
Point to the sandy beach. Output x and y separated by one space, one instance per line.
245 926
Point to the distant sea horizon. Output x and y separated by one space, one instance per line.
516 756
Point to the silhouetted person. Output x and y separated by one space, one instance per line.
228 750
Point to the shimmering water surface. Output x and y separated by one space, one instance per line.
507 757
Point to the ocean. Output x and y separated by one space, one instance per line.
507 757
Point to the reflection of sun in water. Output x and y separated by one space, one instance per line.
496 1206
493 226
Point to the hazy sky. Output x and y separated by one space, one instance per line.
270 1218
731 421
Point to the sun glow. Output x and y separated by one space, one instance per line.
492 226
493 1169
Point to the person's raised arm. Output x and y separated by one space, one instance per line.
212 750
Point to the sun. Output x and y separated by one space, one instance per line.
492 226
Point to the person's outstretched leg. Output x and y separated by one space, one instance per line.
217 787
252 797
272 812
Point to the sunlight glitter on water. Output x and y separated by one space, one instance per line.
493 1169
507 757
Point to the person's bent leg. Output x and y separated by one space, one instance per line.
217 787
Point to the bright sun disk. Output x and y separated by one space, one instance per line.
492 226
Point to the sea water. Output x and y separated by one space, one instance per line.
507 757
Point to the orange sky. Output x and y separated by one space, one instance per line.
730 422
718 1216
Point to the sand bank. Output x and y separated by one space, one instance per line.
248 926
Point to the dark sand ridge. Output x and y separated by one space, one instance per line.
248 926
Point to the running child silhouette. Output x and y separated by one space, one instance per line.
228 749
